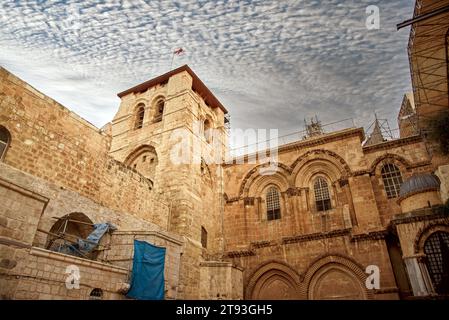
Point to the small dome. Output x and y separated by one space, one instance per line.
418 183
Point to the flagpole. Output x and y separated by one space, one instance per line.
172 58
176 52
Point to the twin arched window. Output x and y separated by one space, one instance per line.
273 204
5 139
391 176
140 113
322 195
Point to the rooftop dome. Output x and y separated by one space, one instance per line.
418 183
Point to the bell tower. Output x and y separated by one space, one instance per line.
171 129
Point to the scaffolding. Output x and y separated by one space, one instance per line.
61 239
428 52
379 131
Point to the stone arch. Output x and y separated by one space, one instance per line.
399 161
143 159
425 232
139 112
324 272
158 107
273 280
76 224
207 128
313 161
282 174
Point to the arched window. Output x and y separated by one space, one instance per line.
5 139
139 116
436 249
392 179
207 130
144 160
160 104
203 237
322 196
273 204
96 294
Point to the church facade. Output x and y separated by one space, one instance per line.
336 215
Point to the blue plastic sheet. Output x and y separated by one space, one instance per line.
84 247
94 237
147 280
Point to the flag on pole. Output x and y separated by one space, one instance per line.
179 51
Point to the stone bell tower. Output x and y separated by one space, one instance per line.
171 129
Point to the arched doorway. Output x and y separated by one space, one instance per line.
335 282
335 277
273 281
436 248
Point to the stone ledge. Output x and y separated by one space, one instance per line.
431 213
76 260
392 143
373 235
160 234
218 264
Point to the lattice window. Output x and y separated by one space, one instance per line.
273 204
139 116
436 249
4 141
392 179
322 196
96 294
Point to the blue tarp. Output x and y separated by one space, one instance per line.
147 280
84 247
94 237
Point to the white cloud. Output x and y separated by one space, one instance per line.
271 63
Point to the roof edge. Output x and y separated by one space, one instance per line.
197 85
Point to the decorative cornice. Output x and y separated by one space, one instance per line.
316 236
373 235
240 253
262 244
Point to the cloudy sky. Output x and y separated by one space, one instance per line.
271 63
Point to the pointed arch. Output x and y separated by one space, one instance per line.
271 274
326 269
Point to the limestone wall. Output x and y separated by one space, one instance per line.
52 143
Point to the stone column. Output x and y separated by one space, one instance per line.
418 275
